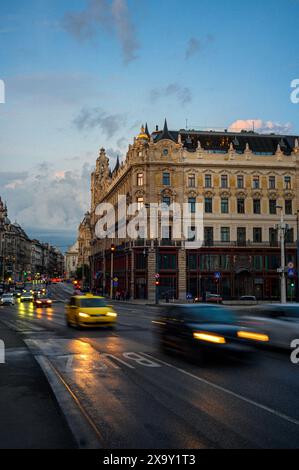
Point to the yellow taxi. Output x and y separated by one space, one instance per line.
89 311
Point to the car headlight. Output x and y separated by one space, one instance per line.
83 315
253 336
209 337
111 314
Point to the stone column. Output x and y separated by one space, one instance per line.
132 280
182 274
151 271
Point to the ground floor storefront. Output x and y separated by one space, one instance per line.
231 272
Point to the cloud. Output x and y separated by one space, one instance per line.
263 127
91 118
196 45
182 94
48 199
111 16
125 30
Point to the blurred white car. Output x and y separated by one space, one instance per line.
279 321
7 299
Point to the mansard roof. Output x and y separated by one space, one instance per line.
221 141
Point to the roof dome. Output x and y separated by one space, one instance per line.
143 135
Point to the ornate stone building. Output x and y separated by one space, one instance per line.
71 260
241 179
22 258
15 248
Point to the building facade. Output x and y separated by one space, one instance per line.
71 261
242 180
22 258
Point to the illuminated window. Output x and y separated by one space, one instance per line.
140 179
140 203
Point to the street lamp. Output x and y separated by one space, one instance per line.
112 270
282 227
297 292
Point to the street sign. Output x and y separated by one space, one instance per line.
291 272
291 265
157 276
217 275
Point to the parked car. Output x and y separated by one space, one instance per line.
7 299
200 329
248 298
279 321
214 299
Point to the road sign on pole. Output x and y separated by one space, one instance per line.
291 272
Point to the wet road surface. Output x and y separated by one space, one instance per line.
134 396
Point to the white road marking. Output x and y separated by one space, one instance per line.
228 392
21 326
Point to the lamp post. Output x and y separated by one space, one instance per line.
297 266
283 298
112 270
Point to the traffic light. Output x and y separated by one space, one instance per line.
292 284
157 283
112 248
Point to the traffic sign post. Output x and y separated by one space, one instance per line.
217 277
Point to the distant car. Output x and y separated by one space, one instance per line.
198 330
248 298
7 299
279 321
26 297
43 302
214 299
89 311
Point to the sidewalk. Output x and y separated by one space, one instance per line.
30 415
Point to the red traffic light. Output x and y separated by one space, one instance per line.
157 283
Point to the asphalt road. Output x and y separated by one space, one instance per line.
131 395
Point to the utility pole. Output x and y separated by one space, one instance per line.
282 227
